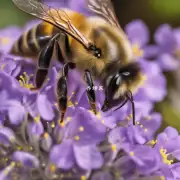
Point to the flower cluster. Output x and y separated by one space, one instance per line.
35 145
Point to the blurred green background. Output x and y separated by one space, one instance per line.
153 12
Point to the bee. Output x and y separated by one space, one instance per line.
96 46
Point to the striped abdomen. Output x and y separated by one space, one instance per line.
31 42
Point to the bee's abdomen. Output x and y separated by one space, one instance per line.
31 42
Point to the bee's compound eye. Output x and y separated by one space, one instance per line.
126 73
98 53
95 51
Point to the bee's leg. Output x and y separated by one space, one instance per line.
44 62
90 91
62 89
63 51
130 98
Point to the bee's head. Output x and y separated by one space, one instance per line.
118 83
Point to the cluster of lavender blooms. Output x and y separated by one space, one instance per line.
35 145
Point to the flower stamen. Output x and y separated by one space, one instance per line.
5 40
83 178
131 153
77 138
52 168
165 156
137 51
81 128
37 119
114 147
24 81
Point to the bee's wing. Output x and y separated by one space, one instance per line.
57 17
105 9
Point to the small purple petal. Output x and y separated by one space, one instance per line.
175 168
30 104
146 159
26 159
45 107
137 32
62 155
118 136
171 132
46 142
93 131
165 39
16 111
87 157
7 133
167 62
35 128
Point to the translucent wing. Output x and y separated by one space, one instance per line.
57 17
105 9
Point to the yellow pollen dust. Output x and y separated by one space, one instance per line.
83 178
131 153
77 138
98 115
61 124
3 66
37 119
162 178
137 52
81 128
24 81
153 142
5 40
141 126
46 135
113 147
145 130
52 125
129 117
19 148
6 171
70 103
165 156
116 173
52 168
138 123
102 121
69 118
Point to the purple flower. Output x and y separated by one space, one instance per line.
138 33
168 41
154 87
8 36
34 144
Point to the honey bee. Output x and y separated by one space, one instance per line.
95 45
